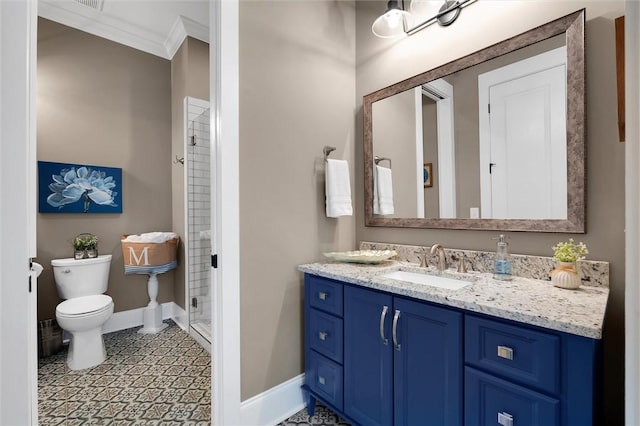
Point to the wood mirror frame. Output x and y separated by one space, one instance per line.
572 26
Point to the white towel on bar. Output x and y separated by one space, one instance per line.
382 190
338 189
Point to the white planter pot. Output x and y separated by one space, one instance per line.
566 275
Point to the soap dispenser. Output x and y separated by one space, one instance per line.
502 262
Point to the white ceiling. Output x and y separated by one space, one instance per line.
154 26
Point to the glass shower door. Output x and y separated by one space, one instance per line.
199 218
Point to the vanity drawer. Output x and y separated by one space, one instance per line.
526 356
325 378
325 294
493 401
326 334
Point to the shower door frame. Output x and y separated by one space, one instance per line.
187 231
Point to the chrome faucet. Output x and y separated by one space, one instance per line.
442 257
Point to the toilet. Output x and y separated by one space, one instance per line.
85 309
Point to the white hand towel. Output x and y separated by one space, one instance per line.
382 191
338 188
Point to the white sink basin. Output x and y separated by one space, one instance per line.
431 280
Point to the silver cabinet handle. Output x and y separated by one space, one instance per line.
321 380
322 295
394 332
505 419
322 335
505 352
383 315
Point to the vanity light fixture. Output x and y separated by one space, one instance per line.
393 22
396 21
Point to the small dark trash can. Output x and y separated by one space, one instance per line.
49 338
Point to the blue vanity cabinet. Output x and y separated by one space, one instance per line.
323 337
522 375
379 359
402 361
368 357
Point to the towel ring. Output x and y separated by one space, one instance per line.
377 160
327 150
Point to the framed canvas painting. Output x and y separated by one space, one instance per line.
78 188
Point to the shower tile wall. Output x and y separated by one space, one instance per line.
199 214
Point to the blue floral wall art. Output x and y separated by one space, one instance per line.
77 188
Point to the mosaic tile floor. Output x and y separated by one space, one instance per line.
147 379
323 416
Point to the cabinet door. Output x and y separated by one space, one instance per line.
427 364
368 362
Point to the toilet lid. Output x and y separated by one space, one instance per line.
84 305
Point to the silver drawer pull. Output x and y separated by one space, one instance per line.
321 380
505 352
322 295
322 335
505 419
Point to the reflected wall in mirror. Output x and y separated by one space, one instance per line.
503 129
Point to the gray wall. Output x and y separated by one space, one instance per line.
380 63
394 136
102 103
189 77
297 86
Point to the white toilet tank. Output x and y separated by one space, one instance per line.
83 277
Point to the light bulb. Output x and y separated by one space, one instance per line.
393 18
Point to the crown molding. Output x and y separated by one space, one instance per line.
182 28
97 23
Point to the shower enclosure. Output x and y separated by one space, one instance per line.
198 217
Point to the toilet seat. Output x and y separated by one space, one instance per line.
83 306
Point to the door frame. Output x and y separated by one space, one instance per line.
225 209
18 366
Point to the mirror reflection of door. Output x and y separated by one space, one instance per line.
523 162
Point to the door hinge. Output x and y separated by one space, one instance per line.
489 108
491 166
194 302
29 283
214 261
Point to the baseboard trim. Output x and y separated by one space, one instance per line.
133 318
274 405
179 316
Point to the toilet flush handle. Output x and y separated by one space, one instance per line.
66 271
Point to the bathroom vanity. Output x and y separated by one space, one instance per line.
380 351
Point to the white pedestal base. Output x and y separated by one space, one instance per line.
152 322
152 314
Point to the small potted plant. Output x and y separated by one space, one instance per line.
85 246
567 254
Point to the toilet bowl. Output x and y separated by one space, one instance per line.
86 309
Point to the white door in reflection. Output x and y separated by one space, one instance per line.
523 150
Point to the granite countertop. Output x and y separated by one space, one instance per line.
530 301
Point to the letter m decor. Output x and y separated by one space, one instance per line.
136 259
149 258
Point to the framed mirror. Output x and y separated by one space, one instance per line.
494 140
